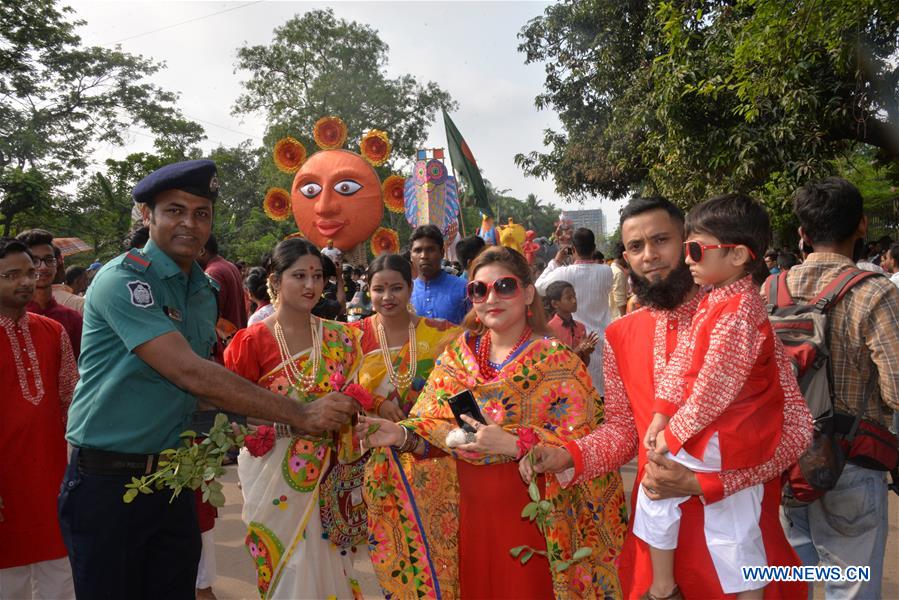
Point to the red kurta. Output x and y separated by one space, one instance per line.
638 347
36 385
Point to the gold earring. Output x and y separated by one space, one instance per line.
272 293
411 309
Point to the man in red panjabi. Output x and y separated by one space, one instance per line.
36 385
637 349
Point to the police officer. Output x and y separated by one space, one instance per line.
149 329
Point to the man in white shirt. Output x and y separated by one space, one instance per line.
890 263
592 282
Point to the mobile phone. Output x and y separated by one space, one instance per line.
464 403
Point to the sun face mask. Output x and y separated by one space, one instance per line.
336 194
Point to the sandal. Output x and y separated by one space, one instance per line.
674 595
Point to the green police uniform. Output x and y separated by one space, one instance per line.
122 404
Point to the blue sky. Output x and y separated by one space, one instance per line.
469 48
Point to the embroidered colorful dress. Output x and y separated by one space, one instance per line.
431 336
443 527
285 491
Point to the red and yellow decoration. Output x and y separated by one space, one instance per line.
290 155
329 133
392 191
385 241
375 147
277 204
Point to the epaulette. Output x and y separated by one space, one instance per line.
136 261
216 287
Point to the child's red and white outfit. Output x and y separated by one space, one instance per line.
723 394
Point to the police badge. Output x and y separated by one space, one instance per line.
141 295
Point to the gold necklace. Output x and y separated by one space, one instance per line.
306 382
404 380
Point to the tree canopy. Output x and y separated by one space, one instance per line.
689 98
58 98
319 65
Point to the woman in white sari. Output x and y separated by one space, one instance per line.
302 498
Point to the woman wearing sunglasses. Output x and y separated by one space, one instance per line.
399 347
444 527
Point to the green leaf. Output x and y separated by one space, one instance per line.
534 491
561 565
516 551
582 552
129 496
216 498
188 434
545 506
526 556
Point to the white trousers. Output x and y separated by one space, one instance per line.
732 531
45 580
207 570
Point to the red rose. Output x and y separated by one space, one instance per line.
360 395
261 441
527 439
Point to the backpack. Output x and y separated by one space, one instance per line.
804 331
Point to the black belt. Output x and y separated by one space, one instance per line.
103 462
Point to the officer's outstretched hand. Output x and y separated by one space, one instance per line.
328 413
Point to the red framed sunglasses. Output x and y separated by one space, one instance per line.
505 288
696 250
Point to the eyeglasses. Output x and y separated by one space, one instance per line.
16 275
48 261
696 250
505 288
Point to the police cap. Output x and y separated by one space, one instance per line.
197 177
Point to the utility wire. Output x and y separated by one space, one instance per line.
182 23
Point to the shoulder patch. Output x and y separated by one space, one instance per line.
136 261
141 294
216 287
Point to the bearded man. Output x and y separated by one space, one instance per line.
641 343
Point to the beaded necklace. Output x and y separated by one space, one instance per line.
307 382
404 380
488 368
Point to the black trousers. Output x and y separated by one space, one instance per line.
149 548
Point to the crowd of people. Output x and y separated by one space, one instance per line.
666 353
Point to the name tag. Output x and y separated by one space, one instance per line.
173 313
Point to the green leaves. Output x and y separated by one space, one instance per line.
540 512
194 466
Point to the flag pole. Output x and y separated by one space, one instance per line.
461 217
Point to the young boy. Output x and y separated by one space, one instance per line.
719 403
560 301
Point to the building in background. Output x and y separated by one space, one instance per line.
592 219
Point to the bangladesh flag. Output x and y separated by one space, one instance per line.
465 164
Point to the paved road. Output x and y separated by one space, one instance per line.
236 579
